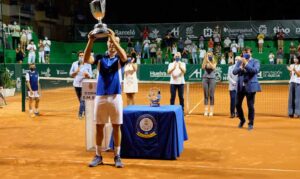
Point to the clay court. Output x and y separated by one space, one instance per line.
53 145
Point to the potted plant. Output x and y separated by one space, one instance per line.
9 85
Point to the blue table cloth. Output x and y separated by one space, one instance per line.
153 132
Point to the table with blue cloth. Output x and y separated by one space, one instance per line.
153 132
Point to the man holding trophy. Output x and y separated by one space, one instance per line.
108 101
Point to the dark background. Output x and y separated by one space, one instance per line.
153 11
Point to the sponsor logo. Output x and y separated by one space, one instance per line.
207 32
91 86
235 31
61 72
189 31
125 33
154 34
263 29
175 31
159 74
46 73
196 75
285 30
146 126
270 74
297 31
89 91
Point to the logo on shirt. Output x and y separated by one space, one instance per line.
146 126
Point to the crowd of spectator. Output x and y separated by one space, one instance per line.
161 50
23 43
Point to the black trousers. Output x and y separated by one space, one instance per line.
232 101
250 103
180 89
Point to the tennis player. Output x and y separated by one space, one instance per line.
108 101
33 88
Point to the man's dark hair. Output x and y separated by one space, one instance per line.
247 48
79 52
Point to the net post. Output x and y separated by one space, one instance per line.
188 98
23 93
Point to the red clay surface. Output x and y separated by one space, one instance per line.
53 145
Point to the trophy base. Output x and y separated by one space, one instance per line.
100 31
154 104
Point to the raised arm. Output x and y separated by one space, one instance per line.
87 58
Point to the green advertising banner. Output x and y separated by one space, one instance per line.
193 30
194 73
149 72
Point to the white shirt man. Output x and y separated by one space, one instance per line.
80 71
31 55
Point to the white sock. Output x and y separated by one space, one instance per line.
211 109
117 151
98 150
206 109
36 110
30 111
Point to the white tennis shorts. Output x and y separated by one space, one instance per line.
35 94
108 107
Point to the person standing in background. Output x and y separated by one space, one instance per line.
41 52
130 84
33 88
209 82
31 55
247 69
20 55
177 69
47 46
80 71
232 79
294 89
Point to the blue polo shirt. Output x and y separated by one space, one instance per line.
110 75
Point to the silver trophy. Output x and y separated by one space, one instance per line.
98 11
154 97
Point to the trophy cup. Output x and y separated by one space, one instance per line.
98 11
154 97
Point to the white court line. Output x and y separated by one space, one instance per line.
25 161
196 106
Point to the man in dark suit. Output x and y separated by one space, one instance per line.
247 69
